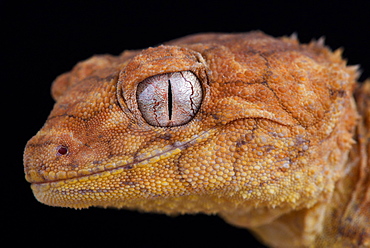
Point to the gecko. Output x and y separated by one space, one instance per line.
270 134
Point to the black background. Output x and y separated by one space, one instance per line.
41 40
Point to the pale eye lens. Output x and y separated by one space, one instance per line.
170 99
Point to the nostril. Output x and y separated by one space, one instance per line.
62 150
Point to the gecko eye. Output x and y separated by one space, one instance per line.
62 150
170 99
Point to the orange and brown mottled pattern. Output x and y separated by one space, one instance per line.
276 145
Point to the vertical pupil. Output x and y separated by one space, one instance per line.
169 100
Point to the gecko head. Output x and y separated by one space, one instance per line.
182 127
111 116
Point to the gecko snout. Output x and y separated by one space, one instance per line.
52 157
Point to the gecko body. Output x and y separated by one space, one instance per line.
268 133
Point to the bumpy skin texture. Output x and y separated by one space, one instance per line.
277 145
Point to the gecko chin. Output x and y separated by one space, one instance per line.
40 162
103 181
103 188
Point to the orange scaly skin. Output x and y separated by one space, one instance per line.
279 144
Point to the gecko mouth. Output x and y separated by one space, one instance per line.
37 177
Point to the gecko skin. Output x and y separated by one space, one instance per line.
270 134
